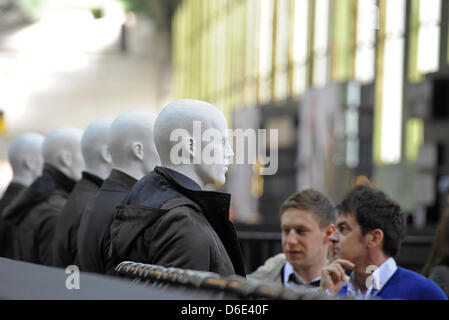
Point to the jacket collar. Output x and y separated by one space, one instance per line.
92 178
122 178
50 181
215 208
14 188
182 179
60 179
215 205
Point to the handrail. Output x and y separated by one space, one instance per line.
235 285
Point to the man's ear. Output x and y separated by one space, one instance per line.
375 238
329 230
137 150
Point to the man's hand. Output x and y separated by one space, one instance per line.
333 276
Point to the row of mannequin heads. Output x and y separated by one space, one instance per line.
134 143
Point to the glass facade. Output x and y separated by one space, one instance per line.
238 53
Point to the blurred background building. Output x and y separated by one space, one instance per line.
358 89
69 62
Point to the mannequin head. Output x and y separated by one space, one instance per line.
25 157
62 149
94 146
204 141
131 143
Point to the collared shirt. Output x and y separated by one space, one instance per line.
379 277
290 272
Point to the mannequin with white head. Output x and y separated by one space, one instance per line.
94 146
62 149
25 157
131 143
201 121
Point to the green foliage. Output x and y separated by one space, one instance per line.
136 6
97 13
29 5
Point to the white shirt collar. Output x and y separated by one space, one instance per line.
379 277
288 270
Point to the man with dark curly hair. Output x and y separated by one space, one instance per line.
370 229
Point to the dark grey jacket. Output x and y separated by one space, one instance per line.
34 214
93 234
167 220
6 228
65 251
11 192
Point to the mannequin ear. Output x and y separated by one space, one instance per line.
66 158
191 146
137 150
30 162
105 155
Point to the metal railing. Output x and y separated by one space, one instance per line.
231 287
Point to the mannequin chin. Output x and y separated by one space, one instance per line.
62 149
94 143
131 143
204 137
25 157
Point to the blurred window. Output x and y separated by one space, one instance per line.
281 53
299 45
424 51
389 82
415 138
342 39
367 23
265 50
320 54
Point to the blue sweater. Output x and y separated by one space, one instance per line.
407 285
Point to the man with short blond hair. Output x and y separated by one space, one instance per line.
307 221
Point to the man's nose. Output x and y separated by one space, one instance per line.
291 237
334 237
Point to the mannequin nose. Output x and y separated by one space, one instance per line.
229 153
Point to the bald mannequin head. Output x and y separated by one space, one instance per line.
94 146
25 157
205 134
62 149
131 143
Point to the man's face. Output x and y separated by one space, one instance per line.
303 241
347 240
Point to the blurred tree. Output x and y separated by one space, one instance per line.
161 11
14 13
